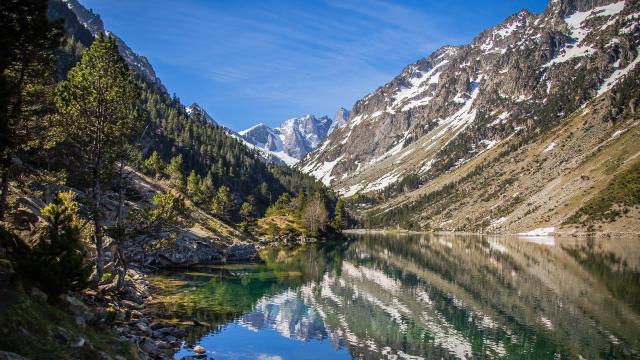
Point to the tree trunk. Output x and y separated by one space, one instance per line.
97 223
5 185
122 271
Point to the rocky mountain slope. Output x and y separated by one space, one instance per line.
466 108
92 21
292 140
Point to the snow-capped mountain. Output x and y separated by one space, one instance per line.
525 74
435 140
292 140
199 114
339 119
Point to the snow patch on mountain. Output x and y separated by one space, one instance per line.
580 30
292 140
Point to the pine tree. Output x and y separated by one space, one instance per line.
193 186
264 191
223 204
248 212
339 218
300 203
206 188
154 165
27 69
97 103
175 169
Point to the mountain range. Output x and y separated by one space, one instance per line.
501 133
292 140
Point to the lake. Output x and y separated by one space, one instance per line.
416 296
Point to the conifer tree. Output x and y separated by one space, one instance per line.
27 69
339 218
175 169
223 204
193 186
154 165
97 103
248 212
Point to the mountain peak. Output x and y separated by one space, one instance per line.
198 113
292 140
339 119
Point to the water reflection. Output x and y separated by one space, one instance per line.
422 296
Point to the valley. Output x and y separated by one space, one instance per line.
482 203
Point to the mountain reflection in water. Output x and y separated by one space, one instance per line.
417 297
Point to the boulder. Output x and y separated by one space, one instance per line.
5 355
241 252
199 350
143 328
76 305
189 251
39 294
6 266
149 346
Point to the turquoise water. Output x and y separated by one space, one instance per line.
417 297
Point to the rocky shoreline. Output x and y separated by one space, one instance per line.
132 321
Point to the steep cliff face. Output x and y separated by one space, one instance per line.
339 119
521 77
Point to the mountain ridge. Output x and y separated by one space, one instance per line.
292 140
513 82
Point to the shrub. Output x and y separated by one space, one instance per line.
58 262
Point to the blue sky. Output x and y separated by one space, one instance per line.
266 61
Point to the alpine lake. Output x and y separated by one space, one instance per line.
414 296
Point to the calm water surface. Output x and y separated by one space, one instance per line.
417 297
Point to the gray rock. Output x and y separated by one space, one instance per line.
189 251
144 328
39 294
80 321
241 252
76 305
132 305
149 346
5 355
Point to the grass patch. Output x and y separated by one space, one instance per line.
623 190
29 327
